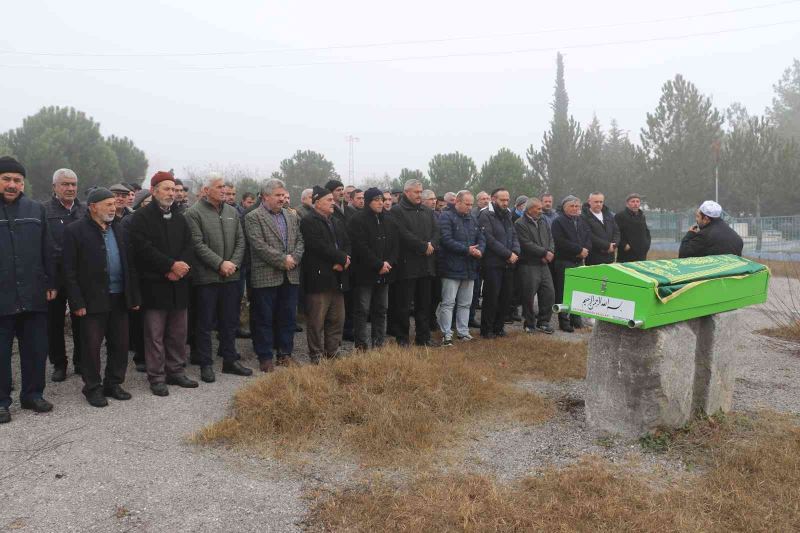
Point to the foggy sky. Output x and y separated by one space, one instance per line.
256 108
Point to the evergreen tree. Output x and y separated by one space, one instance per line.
785 111
591 176
305 169
621 167
132 161
504 169
554 166
678 145
408 174
451 172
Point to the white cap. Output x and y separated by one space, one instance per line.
711 209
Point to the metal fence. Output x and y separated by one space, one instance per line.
764 237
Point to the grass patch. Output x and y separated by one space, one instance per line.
391 405
751 482
788 332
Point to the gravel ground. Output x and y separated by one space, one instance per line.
128 467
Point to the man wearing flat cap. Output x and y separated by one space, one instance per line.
102 286
161 242
27 284
711 235
336 188
123 196
325 269
634 235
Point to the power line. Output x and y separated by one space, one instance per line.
395 43
201 68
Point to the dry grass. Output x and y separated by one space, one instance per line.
392 405
750 482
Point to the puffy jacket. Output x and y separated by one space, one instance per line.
217 236
323 249
570 234
457 233
27 267
633 231
535 240
501 237
717 238
603 234
373 237
416 227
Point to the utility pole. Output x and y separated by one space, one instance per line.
351 140
716 147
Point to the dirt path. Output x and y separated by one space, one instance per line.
128 468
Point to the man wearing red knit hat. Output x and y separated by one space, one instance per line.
162 248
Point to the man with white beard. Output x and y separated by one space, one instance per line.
162 249
101 287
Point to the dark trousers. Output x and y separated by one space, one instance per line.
113 327
164 343
370 301
417 290
476 297
217 304
29 329
535 281
559 266
498 285
136 336
324 322
274 313
436 297
56 317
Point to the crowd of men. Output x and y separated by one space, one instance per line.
144 271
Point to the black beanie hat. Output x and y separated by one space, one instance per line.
98 195
332 185
319 192
9 164
370 195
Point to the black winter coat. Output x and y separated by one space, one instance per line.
156 243
373 237
570 235
416 227
603 234
633 231
27 267
58 218
717 238
501 237
324 249
86 267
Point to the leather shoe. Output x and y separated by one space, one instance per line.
182 381
236 368
141 367
243 334
488 335
207 374
298 329
40 405
266 365
285 360
501 333
96 398
5 415
59 374
159 389
116 392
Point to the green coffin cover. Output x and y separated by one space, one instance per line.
673 277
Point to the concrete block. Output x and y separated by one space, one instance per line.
638 380
715 357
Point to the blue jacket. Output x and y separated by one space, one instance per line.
26 261
457 233
501 237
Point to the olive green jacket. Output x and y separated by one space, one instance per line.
217 236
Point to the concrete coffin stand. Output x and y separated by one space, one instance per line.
639 380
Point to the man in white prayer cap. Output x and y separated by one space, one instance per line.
711 235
